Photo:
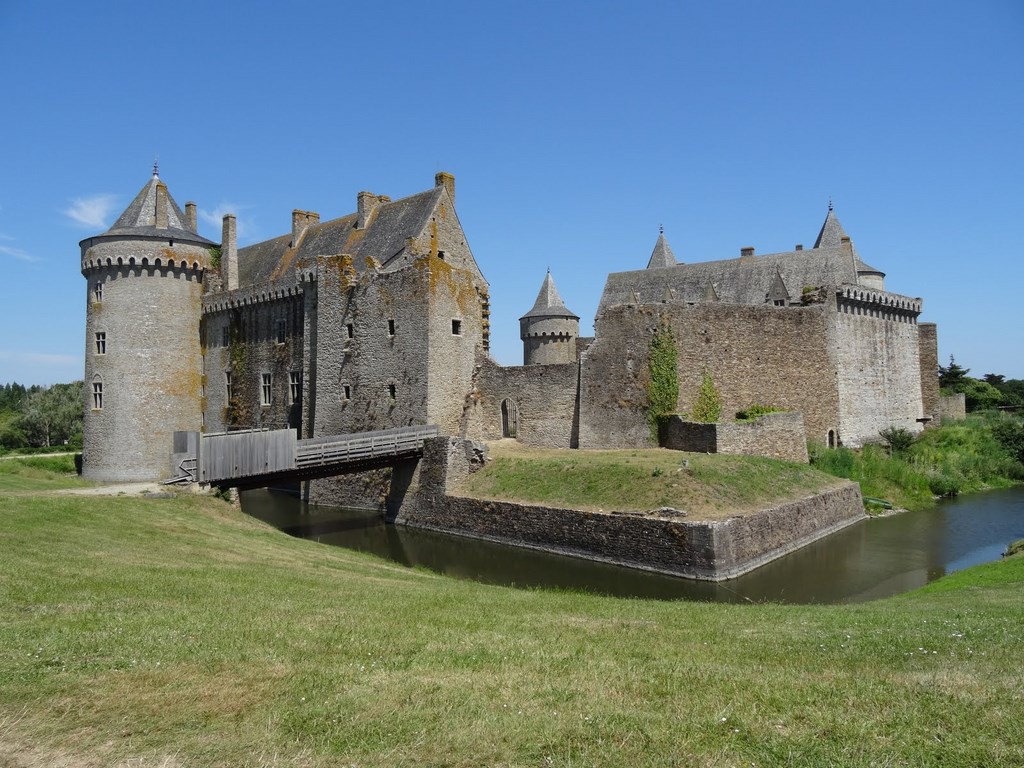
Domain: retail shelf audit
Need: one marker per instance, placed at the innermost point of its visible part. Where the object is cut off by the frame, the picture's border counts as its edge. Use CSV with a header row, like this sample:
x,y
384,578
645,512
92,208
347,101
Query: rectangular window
x,y
280,331
97,291
456,327
391,391
227,386
265,382
294,386
391,327
225,336
346,393
97,395
351,330
101,342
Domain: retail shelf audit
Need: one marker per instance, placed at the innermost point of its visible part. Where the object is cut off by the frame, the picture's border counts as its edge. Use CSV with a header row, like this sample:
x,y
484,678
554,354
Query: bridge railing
x,y
362,445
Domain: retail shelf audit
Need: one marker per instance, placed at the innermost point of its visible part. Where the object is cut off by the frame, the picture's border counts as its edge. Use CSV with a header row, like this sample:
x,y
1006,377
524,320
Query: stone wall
x,y
775,435
928,349
702,550
539,399
150,362
878,375
952,407
764,355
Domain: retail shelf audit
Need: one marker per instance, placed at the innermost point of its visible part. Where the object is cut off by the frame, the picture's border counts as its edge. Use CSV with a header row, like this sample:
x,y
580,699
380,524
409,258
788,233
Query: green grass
x,y
39,472
178,632
961,457
642,480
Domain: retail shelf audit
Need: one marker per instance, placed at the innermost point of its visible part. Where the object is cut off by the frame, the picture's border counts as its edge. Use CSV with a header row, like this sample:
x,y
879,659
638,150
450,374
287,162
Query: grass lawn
x,y
709,486
178,632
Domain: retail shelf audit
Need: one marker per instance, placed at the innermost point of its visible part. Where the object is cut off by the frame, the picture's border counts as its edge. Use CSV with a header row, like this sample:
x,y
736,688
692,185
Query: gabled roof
x,y
549,303
385,239
139,218
662,255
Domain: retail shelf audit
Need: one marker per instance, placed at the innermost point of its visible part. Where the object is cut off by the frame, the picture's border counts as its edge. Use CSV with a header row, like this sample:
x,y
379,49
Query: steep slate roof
x,y
832,232
549,303
139,218
385,239
662,255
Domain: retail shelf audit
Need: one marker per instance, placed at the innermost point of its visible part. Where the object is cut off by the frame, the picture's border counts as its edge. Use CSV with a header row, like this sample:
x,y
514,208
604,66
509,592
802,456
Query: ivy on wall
x,y
663,387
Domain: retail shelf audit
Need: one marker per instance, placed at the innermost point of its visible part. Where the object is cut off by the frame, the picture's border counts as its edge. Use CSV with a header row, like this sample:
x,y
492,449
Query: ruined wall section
x,y
775,435
148,358
928,346
763,355
254,359
878,365
540,399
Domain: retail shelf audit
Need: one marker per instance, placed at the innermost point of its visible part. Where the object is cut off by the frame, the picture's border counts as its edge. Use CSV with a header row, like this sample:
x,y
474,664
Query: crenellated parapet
x,y
257,294
881,305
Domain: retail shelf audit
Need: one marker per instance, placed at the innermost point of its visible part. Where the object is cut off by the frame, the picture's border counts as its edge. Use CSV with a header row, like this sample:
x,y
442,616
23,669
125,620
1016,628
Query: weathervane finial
x,y
156,170
661,229
830,202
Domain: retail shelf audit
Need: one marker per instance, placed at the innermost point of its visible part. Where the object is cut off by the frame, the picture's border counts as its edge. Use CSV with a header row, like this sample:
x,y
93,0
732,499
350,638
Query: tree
x,y
663,387
53,416
709,403
952,376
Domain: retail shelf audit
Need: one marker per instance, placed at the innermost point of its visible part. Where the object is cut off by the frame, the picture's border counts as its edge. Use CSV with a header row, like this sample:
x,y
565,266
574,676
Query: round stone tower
x,y
143,357
549,330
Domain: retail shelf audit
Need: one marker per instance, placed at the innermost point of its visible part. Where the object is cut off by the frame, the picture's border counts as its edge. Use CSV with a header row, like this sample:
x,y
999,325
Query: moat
x,y
876,558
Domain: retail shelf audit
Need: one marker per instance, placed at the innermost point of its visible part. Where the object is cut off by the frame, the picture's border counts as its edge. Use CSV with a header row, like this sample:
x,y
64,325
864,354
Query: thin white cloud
x,y
17,253
92,212
215,218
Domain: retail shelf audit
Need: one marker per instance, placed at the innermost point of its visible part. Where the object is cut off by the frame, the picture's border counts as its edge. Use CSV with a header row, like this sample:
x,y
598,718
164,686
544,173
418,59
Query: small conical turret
x,y
662,255
550,329
832,232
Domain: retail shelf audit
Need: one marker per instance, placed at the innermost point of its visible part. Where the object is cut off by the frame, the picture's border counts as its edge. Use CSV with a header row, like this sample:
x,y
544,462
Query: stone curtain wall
x,y
703,550
928,347
878,368
952,407
152,367
544,395
775,435
763,355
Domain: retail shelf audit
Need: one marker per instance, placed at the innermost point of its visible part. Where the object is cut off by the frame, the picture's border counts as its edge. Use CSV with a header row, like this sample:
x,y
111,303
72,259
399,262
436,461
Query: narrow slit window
x,y
456,327
346,393
101,342
265,389
280,331
97,291
97,395
351,330
294,386
227,385
391,327
225,336
391,390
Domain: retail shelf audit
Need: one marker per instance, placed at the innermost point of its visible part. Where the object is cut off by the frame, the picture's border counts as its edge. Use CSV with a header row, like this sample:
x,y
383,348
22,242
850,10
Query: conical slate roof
x,y
139,218
832,232
549,303
662,255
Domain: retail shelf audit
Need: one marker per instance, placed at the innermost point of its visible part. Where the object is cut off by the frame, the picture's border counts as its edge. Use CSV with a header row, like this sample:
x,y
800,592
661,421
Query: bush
x,y
755,411
899,439
1009,433
708,407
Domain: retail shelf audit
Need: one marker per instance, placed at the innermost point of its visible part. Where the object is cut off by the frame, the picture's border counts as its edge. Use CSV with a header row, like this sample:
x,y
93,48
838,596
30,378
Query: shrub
x,y
899,439
1009,433
663,387
708,407
755,411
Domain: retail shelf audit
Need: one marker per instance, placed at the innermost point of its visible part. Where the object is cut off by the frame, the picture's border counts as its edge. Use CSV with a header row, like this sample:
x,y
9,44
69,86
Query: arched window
x,y
831,438
509,418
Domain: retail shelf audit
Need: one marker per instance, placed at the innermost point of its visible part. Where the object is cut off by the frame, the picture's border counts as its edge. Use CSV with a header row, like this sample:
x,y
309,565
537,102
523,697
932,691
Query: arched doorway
x,y
509,418
831,438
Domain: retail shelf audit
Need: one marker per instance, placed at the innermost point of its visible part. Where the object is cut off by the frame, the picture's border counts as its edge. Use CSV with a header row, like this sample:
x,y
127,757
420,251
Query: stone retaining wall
x,y
668,543
775,435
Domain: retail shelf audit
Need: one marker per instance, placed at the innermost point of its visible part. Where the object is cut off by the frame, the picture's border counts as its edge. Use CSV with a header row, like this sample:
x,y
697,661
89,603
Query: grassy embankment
x,y
707,486
178,632
961,457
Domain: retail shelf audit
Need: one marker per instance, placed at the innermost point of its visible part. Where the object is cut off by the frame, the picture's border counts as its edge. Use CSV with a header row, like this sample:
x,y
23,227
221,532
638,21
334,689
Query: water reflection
x,y
869,560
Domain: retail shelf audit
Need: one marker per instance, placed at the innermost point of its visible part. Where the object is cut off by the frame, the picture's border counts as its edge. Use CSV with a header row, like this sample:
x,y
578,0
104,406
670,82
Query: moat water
x,y
872,559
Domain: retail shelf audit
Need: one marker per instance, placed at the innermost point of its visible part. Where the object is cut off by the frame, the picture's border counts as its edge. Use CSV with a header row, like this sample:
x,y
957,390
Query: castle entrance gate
x,y
509,418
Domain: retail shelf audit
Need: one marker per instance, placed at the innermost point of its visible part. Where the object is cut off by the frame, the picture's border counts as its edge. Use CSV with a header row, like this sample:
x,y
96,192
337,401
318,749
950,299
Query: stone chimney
x,y
301,221
161,205
366,204
447,181
846,243
799,247
747,252
229,253
190,217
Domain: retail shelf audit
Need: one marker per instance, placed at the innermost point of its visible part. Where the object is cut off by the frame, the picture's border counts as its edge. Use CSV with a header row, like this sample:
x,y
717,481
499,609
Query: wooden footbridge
x,y
254,458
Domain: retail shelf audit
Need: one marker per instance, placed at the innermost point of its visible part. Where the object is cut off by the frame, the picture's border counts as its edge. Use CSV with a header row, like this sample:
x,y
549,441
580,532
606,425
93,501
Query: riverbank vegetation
x,y
707,486
179,632
983,451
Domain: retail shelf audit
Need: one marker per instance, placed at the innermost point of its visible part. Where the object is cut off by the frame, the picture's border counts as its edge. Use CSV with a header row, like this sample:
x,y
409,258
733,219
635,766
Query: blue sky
x,y
573,129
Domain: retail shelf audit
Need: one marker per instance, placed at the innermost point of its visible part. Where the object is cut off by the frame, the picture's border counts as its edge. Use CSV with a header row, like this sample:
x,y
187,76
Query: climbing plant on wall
x,y
663,388
708,407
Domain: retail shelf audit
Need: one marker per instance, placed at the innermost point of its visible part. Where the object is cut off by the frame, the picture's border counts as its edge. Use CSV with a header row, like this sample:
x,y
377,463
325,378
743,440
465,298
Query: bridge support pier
x,y
404,480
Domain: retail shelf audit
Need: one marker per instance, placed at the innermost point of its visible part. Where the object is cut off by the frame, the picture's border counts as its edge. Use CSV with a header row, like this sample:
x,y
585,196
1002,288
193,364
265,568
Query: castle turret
x,y
143,360
832,235
549,330
662,256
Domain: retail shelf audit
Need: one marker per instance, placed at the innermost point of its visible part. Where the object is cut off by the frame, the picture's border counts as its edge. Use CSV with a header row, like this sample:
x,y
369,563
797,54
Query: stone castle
x,y
380,319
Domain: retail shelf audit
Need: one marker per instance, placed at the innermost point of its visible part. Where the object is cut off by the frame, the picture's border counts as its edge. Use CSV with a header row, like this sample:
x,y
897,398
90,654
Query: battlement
x,y
856,300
